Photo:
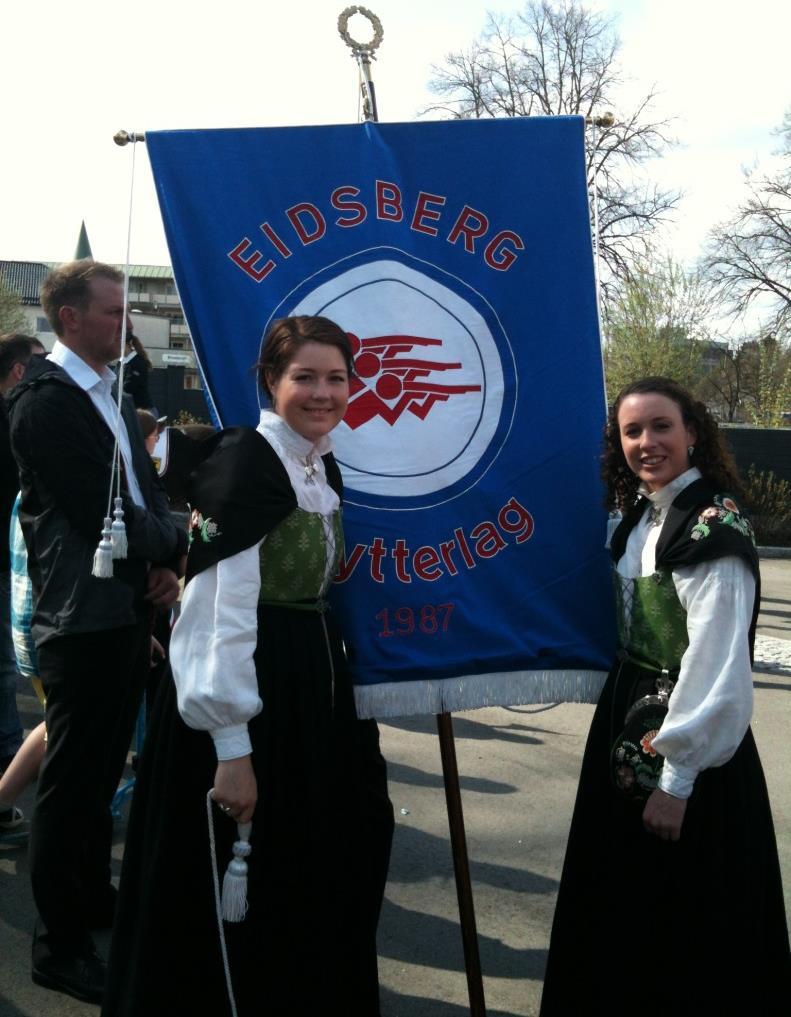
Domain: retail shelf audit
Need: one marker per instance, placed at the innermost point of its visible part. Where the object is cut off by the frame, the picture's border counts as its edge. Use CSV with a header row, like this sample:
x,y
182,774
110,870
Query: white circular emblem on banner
x,y
426,402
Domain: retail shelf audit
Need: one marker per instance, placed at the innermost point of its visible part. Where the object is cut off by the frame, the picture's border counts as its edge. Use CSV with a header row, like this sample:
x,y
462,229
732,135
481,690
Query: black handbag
x,y
635,765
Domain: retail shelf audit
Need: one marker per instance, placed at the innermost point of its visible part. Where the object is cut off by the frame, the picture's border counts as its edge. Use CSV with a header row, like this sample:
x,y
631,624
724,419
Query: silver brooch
x,y
655,515
310,469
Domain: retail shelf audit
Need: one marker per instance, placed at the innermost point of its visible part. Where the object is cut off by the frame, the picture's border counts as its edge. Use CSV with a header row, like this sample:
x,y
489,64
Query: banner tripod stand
x,y
364,53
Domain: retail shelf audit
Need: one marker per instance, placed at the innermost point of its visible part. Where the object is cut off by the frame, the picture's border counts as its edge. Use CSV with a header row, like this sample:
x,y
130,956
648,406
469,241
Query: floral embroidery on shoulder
x,y
726,512
204,529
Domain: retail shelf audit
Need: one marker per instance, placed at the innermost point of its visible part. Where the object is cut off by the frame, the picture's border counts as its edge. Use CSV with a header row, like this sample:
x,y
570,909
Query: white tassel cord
x,y
118,530
231,904
118,544
218,903
103,556
234,885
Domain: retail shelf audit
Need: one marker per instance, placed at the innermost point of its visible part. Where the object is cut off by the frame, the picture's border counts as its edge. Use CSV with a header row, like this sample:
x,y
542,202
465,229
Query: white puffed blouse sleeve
x,y
711,704
212,648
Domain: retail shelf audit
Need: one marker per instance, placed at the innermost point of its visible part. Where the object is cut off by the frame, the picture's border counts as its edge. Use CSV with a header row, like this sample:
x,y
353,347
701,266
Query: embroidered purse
x,y
635,766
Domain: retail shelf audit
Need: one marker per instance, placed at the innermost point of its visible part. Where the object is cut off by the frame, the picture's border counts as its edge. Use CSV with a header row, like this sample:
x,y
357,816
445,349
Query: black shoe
x,y
82,977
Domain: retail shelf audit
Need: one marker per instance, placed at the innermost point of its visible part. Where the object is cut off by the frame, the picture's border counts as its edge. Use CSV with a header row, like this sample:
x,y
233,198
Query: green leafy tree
x,y
560,58
769,393
12,317
657,323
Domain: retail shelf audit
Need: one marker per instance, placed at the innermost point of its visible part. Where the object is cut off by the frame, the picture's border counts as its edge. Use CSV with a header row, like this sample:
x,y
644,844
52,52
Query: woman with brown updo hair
x,y
671,901
261,711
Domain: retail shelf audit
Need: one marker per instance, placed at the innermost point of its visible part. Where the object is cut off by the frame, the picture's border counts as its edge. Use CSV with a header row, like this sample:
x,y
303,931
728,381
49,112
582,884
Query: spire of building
x,y
83,244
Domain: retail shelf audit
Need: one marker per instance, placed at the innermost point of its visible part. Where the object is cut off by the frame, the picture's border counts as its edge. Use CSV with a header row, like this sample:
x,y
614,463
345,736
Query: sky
x,y
73,74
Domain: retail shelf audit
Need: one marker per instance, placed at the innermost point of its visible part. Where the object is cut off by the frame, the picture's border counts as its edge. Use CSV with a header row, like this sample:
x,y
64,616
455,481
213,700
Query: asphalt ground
x,y
519,769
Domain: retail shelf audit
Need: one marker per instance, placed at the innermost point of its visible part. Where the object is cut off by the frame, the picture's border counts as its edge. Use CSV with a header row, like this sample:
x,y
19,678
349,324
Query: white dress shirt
x,y
99,388
711,704
214,639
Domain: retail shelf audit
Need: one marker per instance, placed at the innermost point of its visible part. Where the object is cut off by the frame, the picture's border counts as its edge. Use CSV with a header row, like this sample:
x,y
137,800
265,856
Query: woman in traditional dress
x,y
262,710
671,899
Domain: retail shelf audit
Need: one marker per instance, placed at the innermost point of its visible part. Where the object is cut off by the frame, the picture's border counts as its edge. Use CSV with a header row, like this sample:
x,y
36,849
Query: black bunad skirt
x,y
321,840
646,927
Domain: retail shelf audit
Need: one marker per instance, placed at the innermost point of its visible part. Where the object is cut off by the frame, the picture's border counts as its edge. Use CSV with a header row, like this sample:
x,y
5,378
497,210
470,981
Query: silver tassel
x,y
103,558
118,531
234,884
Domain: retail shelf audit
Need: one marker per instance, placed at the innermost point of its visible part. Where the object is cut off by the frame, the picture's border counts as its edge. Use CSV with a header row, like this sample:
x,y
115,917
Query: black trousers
x,y
94,684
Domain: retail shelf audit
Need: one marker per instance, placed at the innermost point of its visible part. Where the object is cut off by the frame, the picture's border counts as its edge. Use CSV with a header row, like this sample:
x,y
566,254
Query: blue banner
x,y
457,256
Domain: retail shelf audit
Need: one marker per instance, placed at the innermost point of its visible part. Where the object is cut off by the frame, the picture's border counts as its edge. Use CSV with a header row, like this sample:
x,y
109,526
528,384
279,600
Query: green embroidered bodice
x,y
652,623
294,557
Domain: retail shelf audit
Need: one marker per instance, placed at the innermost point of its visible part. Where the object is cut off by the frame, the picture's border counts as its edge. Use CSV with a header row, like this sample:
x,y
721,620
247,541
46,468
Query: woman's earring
x,y
690,450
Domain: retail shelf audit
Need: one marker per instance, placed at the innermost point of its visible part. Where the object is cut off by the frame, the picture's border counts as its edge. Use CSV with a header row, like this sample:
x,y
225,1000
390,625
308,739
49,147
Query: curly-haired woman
x,y
671,899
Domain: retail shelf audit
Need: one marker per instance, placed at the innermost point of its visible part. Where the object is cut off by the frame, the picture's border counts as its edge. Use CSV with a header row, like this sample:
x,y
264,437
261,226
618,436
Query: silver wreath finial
x,y
343,30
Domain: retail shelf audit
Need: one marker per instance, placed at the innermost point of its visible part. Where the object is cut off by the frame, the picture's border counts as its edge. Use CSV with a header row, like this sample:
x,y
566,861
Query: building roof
x,y
25,277
148,271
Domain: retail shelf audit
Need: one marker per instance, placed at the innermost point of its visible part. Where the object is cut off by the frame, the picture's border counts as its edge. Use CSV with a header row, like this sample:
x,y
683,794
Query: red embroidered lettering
x,y
247,264
358,210
314,217
388,201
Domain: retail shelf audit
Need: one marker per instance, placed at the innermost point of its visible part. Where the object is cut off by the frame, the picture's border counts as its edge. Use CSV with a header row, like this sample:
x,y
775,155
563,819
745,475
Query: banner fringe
x,y
471,692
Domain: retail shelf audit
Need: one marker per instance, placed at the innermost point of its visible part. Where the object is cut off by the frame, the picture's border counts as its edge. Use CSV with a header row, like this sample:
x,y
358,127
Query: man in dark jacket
x,y
92,634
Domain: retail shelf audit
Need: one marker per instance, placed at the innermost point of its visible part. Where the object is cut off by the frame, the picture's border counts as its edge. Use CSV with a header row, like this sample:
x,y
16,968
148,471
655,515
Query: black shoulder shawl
x,y
238,494
702,524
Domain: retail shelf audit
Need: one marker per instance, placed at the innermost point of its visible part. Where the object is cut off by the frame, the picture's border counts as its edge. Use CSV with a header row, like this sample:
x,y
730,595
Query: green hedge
x,y
769,504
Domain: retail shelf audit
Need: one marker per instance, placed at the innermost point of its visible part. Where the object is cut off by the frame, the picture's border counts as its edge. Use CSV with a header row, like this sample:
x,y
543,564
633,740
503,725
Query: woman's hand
x,y
663,815
235,788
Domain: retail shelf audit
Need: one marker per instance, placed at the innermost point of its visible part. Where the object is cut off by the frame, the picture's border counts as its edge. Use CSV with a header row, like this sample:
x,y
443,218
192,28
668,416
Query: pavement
x,y
519,769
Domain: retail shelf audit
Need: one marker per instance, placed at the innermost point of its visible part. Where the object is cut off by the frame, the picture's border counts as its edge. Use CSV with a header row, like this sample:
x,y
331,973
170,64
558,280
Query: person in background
x,y
176,451
15,353
149,428
24,767
87,630
671,900
137,369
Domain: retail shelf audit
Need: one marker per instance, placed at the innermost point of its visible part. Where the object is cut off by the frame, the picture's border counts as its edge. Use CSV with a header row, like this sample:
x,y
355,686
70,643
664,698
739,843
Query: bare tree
x,y
727,381
556,58
749,257
750,381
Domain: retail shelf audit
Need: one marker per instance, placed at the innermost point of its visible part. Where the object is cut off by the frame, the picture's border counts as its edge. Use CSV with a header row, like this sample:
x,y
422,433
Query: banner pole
x,y
461,865
364,53
606,121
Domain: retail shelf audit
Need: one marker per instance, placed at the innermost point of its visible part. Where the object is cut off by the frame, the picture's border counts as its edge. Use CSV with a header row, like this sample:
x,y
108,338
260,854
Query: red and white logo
x,y
427,398
403,376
